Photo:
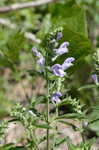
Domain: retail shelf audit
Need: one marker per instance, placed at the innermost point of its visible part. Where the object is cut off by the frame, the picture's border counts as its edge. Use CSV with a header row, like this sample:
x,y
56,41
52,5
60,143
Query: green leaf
x,y
59,141
93,117
14,45
5,105
88,87
72,18
4,62
44,126
69,116
72,15
68,123
11,43
79,47
45,26
11,146
95,126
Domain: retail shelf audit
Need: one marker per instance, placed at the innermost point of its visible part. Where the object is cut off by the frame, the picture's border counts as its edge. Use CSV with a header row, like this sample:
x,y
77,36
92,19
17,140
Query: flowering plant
x,y
54,75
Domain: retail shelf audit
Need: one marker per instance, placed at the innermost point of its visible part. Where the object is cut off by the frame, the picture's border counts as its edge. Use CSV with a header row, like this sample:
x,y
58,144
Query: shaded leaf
x,y
73,115
70,14
88,87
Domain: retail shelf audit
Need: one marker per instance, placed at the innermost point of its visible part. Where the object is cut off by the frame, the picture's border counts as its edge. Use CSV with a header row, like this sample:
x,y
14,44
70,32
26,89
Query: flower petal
x,y
69,60
36,53
59,35
61,51
55,99
67,63
59,94
57,70
64,45
95,78
41,61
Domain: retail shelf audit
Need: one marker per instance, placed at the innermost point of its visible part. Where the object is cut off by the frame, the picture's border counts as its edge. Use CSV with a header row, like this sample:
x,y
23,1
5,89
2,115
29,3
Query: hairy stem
x,y
47,110
48,124
47,105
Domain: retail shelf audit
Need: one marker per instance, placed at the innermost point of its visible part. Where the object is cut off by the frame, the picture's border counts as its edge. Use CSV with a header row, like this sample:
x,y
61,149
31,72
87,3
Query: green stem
x,y
59,84
83,137
56,110
58,89
47,106
48,123
33,138
55,129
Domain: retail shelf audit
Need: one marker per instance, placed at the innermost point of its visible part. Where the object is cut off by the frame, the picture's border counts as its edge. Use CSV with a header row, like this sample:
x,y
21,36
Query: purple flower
x,y
36,53
68,63
64,44
55,97
95,78
59,35
62,49
41,61
58,69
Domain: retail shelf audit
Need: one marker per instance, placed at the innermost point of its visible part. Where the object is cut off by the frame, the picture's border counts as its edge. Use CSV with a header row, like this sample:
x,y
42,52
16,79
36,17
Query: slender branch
x,y
48,124
47,107
47,111
27,35
19,6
